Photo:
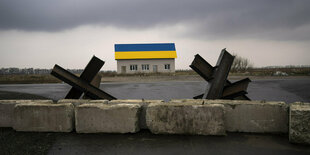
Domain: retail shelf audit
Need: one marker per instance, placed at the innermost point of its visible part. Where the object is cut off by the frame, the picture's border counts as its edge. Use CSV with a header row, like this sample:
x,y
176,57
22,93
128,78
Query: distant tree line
x,y
240,64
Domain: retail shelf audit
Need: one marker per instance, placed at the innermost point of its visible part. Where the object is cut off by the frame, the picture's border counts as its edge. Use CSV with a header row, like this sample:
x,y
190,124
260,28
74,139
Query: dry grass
x,y
26,79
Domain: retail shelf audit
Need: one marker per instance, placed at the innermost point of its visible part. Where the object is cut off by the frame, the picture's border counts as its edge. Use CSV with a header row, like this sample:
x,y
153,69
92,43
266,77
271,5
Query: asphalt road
x,y
287,90
145,143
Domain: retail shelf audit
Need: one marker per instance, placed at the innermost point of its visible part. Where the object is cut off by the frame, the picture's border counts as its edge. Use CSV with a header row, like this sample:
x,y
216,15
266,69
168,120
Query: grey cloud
x,y
271,19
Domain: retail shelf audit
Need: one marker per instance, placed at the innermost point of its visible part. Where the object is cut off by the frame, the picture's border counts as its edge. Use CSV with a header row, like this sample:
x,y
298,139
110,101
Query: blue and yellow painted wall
x,y
145,51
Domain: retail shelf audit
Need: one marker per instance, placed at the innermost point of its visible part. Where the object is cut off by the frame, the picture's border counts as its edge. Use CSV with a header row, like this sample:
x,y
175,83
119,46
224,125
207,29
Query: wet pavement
x,y
287,90
146,143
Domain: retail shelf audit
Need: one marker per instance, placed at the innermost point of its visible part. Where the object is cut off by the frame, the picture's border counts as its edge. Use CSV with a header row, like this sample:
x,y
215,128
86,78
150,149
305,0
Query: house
x,y
145,58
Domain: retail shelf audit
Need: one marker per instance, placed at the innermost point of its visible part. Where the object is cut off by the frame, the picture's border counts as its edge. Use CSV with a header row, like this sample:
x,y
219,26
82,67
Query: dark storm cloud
x,y
273,19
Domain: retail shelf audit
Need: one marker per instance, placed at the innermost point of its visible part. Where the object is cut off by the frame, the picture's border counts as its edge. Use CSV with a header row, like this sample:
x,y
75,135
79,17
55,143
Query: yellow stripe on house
x,y
145,55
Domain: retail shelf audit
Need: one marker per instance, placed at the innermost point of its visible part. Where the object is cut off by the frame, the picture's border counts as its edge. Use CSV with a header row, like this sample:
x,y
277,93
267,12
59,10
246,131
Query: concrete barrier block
x,y
256,117
44,117
104,118
180,118
99,101
250,116
300,103
299,128
144,104
134,101
188,101
75,102
7,110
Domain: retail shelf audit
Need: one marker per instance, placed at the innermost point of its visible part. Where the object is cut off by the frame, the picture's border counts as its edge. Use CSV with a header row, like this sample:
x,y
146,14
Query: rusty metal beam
x,y
220,75
230,90
236,87
95,82
90,71
80,84
235,95
198,96
202,67
242,97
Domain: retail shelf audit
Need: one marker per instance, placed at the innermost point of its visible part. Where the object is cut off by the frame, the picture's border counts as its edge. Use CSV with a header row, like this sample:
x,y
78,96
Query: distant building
x,y
145,58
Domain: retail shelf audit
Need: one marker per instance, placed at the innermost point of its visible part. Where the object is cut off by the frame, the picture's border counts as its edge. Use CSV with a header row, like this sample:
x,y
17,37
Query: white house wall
x,y
159,62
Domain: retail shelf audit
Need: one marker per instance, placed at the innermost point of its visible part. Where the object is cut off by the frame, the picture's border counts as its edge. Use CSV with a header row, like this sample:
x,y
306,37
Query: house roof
x,y
145,51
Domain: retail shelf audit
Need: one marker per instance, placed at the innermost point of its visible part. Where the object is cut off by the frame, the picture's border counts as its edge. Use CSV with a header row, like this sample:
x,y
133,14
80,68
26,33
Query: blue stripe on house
x,y
145,47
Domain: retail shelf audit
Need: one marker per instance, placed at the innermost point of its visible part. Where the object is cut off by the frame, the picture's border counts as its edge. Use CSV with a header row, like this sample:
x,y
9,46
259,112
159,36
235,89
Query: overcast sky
x,y
39,34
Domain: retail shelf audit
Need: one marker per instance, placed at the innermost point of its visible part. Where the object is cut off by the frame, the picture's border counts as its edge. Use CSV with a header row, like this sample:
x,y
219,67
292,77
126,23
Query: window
x,y
145,67
133,67
167,66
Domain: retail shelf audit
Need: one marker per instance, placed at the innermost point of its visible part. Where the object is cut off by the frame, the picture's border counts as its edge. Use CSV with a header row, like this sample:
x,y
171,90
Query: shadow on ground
x,y
8,95
144,142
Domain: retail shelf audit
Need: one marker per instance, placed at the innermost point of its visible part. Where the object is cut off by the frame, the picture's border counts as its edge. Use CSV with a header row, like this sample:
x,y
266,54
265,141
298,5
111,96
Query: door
x,y
123,69
154,68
